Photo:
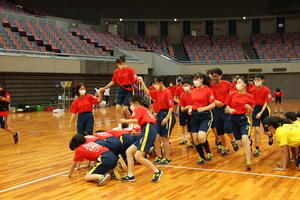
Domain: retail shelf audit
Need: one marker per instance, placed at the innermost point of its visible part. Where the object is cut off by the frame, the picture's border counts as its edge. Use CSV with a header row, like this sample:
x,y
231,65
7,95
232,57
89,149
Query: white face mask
x,y
82,92
197,83
156,87
186,88
238,86
257,83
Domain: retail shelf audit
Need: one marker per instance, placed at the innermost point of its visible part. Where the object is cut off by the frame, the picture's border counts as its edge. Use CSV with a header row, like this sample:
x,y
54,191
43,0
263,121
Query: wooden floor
x,y
36,168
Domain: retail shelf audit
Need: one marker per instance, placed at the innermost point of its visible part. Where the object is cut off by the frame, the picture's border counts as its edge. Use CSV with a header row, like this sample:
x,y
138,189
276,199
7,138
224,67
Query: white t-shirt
x,y
106,92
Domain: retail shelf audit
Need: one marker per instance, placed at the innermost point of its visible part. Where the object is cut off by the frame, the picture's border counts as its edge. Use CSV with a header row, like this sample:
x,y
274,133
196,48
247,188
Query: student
x,y
239,104
287,135
106,96
262,97
165,119
203,101
222,120
125,77
146,120
4,112
83,105
185,104
278,95
106,160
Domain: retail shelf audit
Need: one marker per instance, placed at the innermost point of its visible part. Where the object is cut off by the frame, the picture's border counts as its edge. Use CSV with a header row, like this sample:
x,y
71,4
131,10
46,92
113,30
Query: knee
x,y
138,157
125,108
201,137
118,108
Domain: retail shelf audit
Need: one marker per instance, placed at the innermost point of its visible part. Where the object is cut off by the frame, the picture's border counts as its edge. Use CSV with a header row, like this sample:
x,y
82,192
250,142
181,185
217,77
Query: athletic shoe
x,y
157,160
209,157
270,142
16,137
165,161
201,162
224,152
219,148
190,146
235,145
248,166
183,142
128,178
103,180
256,153
156,176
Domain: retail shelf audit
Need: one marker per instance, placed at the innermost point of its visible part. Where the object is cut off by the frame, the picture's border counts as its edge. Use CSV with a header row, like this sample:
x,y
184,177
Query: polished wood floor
x,y
36,168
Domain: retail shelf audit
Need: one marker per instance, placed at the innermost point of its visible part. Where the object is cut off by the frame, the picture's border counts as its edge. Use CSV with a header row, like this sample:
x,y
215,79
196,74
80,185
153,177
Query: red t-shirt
x,y
163,99
221,90
278,94
103,135
186,99
202,97
261,95
179,91
143,115
117,134
89,151
126,76
237,101
173,89
90,138
83,104
5,113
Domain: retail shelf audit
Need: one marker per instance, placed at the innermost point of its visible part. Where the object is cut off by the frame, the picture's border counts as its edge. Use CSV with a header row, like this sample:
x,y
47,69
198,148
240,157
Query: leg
x,y
119,114
130,159
166,147
246,144
157,146
140,157
183,130
126,112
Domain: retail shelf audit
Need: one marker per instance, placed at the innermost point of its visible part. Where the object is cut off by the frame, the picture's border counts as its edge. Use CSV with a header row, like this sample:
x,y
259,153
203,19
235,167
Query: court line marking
x,y
230,171
34,181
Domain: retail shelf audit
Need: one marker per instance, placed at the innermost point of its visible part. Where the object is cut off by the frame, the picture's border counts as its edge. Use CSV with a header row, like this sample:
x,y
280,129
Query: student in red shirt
x,y
262,97
185,104
4,112
91,151
146,120
83,105
203,101
165,119
125,77
222,120
278,94
239,104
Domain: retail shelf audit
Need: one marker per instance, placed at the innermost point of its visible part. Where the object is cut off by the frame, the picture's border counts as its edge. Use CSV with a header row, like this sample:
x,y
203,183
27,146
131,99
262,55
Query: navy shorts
x,y
85,123
3,121
124,95
201,121
240,125
112,143
165,130
185,120
278,100
126,140
147,138
257,109
107,161
222,121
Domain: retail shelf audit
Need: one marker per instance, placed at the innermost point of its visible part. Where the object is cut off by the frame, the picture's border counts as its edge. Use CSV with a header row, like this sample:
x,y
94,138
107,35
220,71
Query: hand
x,y
123,121
190,111
248,107
219,104
139,79
164,122
258,115
232,111
102,89
200,109
2,98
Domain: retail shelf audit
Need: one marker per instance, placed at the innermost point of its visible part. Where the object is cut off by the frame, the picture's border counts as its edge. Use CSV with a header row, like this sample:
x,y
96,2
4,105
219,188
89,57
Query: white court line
x,y
230,171
34,181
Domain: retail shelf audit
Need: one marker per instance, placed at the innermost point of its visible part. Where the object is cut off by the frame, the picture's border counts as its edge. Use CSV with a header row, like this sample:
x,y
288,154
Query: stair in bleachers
x,y
248,49
180,53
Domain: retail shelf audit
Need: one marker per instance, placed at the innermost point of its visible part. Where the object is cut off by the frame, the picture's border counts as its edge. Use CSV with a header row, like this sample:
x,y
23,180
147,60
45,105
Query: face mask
x,y
82,92
197,83
258,83
186,88
156,87
121,66
238,86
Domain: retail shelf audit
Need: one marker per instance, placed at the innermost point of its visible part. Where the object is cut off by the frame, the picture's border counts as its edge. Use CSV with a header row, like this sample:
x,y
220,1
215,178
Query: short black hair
x,y
160,79
99,131
278,89
121,59
216,71
291,116
76,141
206,78
125,125
78,88
141,100
260,75
186,81
298,114
272,121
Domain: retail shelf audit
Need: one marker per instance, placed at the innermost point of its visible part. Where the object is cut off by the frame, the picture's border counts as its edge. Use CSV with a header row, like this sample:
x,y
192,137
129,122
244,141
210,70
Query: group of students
x,y
206,102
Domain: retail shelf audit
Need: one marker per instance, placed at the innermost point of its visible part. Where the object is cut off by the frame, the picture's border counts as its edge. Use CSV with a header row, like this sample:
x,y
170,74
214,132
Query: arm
x,y
168,116
176,99
144,87
72,119
207,108
262,110
5,99
107,86
229,110
129,121
74,164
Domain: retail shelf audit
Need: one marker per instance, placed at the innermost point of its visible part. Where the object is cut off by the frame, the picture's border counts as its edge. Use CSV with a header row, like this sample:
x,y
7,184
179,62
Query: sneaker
x,y
219,148
16,137
248,166
235,146
209,157
128,178
270,142
201,162
165,161
156,176
157,160
103,180
224,152
183,142
256,153
190,146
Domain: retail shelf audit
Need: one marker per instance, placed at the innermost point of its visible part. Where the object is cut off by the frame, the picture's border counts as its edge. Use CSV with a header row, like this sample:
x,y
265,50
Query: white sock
x,y
130,174
156,171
